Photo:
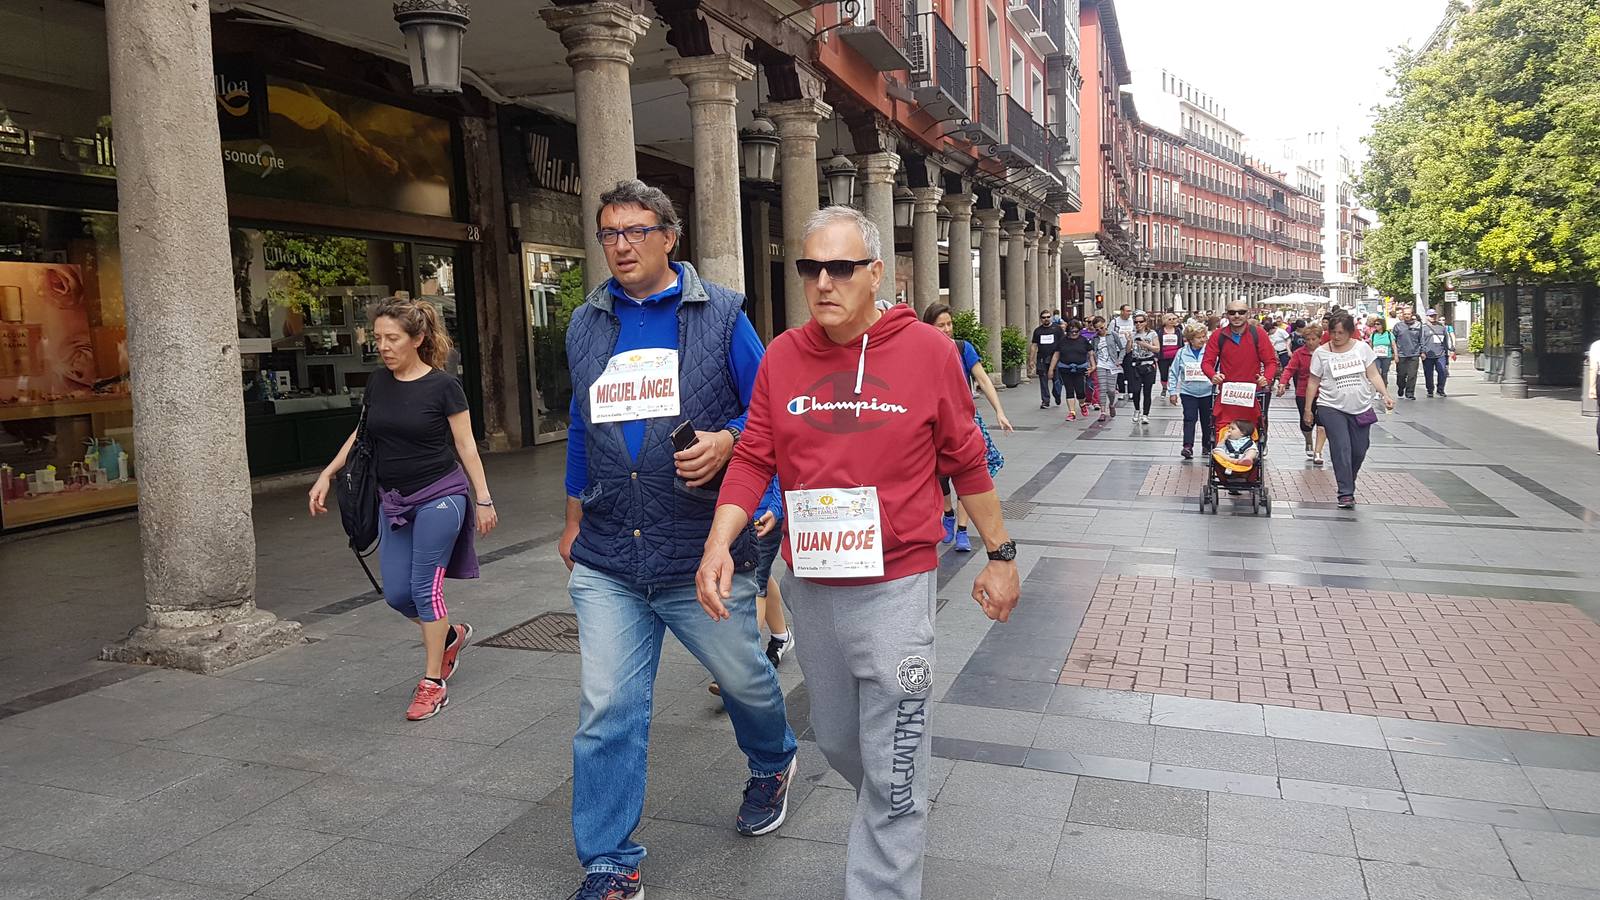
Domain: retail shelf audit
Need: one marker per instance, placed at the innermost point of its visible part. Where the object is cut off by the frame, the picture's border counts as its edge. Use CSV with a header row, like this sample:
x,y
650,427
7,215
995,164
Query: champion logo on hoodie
x,y
832,405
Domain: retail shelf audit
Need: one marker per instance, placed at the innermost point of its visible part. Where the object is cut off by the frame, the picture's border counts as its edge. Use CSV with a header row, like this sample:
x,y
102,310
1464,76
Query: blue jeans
x,y
620,627
413,557
767,550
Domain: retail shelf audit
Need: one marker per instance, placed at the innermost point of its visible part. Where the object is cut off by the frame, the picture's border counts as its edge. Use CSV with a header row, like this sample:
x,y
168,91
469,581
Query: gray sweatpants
x,y
868,661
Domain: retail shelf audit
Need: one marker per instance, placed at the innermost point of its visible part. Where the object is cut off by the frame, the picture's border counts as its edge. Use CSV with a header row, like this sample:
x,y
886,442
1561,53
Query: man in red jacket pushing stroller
x,y
859,413
1240,353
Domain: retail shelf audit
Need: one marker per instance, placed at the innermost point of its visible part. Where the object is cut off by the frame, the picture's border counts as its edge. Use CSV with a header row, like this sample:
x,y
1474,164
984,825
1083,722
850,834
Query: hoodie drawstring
x,y
861,369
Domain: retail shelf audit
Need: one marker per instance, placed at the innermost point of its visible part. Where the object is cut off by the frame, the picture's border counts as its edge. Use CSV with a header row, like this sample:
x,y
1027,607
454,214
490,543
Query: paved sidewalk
x,y
1184,706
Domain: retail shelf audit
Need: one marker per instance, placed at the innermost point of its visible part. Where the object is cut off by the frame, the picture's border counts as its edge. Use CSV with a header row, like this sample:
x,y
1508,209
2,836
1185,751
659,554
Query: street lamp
x,y
841,175
758,149
945,219
905,203
433,30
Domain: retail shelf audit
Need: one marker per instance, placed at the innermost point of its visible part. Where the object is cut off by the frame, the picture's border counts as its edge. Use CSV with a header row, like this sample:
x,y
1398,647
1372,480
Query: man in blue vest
x,y
652,350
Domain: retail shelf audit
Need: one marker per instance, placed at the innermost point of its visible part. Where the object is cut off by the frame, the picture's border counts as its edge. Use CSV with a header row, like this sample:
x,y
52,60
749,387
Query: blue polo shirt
x,y
652,322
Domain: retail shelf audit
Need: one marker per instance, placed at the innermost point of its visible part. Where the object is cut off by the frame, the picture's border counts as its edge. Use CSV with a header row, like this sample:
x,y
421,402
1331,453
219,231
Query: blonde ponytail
x,y
419,318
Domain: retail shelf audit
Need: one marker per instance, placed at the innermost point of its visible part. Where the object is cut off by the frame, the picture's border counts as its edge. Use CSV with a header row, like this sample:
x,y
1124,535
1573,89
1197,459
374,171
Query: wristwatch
x,y
1006,552
736,432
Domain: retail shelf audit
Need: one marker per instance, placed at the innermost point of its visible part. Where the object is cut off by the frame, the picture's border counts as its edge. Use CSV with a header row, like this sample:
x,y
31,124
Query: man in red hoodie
x,y
859,413
1240,352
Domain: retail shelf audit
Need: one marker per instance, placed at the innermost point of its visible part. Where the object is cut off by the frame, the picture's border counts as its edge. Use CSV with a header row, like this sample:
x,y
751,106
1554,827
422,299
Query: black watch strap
x,y
1006,552
735,431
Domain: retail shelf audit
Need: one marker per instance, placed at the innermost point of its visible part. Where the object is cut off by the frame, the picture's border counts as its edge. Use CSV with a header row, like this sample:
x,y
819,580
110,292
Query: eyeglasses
x,y
837,269
635,234
1237,312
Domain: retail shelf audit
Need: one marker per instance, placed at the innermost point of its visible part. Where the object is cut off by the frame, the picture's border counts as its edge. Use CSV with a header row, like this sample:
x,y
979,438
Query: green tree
x,y
1489,148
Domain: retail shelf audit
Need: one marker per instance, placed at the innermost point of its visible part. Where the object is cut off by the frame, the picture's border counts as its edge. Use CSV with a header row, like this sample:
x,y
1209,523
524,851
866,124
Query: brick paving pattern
x,y
1300,486
1508,663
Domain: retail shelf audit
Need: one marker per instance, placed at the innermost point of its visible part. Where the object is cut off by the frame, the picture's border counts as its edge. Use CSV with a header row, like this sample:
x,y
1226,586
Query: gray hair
x,y
634,192
830,215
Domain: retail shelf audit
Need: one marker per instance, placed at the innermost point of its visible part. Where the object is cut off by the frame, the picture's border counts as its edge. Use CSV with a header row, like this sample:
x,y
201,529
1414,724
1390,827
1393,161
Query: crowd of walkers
x,y
850,446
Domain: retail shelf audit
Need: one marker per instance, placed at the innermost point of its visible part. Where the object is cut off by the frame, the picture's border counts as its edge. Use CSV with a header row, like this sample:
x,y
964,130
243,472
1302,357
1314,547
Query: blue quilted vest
x,y
640,521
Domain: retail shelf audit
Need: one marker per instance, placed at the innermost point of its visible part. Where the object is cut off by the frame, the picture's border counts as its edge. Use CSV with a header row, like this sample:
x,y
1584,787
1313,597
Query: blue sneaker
x,y
963,543
949,529
610,886
766,802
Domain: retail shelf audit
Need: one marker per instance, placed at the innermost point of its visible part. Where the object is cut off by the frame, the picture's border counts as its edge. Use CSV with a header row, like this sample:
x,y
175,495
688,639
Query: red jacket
x,y
1247,359
909,422
1298,368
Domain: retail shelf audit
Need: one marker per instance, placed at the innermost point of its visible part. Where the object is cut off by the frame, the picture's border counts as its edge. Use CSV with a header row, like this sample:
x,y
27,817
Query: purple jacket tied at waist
x,y
398,510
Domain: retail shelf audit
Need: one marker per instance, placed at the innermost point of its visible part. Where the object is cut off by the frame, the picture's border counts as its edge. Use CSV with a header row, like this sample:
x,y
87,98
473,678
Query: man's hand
x,y
1261,381
701,462
1278,390
713,583
568,536
996,589
1218,378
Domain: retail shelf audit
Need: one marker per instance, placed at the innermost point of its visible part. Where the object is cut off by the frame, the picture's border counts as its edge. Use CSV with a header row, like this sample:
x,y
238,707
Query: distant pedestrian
x,y
1073,365
430,480
1123,325
1171,341
1142,370
1296,373
1407,353
1042,350
1340,390
1281,339
1382,344
939,316
1109,349
1438,349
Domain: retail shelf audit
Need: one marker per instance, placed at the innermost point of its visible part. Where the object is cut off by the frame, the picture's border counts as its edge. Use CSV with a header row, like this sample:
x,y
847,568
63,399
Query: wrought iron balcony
x,y
985,109
1024,142
939,69
878,34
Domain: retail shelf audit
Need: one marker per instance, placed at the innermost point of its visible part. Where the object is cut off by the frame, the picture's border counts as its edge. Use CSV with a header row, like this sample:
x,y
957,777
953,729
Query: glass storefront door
x,y
554,277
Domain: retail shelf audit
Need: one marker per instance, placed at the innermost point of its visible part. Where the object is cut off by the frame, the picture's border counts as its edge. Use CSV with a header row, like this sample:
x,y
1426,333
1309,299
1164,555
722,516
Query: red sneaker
x,y
453,652
427,701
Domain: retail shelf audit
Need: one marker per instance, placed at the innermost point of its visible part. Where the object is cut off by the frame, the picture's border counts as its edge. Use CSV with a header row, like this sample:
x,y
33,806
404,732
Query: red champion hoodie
x,y
892,411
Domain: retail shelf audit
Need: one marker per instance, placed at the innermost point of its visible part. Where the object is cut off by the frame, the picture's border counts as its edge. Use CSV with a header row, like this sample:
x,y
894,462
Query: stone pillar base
x,y
207,648
1514,390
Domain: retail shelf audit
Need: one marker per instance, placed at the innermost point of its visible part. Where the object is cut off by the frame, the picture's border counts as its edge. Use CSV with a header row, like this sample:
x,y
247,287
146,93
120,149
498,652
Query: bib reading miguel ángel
x,y
835,533
637,384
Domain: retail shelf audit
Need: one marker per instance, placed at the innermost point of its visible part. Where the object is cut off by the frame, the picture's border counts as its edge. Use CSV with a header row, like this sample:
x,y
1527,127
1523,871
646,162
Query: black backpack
x,y
357,490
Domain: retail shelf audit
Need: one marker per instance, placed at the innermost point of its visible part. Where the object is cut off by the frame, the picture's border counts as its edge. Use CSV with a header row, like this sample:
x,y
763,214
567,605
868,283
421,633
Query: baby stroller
x,y
1236,476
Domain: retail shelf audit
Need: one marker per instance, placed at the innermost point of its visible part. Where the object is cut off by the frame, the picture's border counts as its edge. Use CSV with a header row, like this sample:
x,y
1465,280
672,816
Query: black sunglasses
x,y
837,269
1237,312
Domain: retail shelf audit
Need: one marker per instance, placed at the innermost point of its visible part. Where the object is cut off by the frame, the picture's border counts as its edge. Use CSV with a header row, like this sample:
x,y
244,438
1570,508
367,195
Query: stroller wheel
x,y
1255,503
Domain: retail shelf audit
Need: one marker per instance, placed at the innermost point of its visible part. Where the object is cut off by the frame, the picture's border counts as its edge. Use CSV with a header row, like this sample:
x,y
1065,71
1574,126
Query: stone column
x,y
1016,275
876,171
960,207
599,38
1030,280
1052,285
713,104
198,548
925,248
991,311
796,121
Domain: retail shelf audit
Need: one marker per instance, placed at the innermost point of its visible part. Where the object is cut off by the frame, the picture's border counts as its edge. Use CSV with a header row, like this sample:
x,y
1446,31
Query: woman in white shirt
x,y
1340,391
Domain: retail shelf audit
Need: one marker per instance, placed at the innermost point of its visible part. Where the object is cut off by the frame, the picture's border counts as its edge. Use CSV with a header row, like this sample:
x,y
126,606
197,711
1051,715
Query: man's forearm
x,y
984,511
726,525
574,512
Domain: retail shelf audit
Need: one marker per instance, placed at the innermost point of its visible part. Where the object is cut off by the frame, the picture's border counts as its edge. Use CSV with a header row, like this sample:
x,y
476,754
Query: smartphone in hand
x,y
683,437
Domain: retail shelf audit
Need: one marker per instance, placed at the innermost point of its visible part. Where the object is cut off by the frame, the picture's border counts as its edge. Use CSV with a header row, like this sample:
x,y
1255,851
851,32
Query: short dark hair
x,y
1341,319
634,192
932,313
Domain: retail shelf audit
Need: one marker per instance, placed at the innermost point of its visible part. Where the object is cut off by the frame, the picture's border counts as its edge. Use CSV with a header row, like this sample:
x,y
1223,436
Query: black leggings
x,y
1166,367
1141,383
1074,384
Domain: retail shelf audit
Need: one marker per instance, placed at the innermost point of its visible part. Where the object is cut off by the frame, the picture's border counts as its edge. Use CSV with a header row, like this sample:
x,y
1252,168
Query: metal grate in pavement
x,y
554,631
1017,509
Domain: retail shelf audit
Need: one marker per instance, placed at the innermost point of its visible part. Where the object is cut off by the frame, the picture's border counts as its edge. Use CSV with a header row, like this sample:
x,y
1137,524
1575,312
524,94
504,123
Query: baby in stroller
x,y
1236,448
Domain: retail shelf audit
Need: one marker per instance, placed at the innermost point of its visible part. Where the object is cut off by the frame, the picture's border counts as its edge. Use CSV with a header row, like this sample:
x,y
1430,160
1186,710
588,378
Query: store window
x,y
66,415
306,347
554,290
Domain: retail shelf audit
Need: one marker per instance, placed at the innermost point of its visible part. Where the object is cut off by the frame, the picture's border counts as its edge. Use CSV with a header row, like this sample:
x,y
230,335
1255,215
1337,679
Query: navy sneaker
x,y
949,528
610,886
963,543
766,802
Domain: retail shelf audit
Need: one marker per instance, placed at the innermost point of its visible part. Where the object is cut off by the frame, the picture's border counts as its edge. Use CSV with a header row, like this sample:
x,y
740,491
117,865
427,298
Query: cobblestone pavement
x,y
295,776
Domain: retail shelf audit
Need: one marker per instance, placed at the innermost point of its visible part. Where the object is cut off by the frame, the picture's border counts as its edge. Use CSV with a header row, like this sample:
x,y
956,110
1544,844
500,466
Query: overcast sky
x,y
1281,67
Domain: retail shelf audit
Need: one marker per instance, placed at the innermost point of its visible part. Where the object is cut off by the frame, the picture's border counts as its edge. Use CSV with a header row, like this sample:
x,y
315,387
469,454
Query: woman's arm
x,y
467,452
981,379
1313,385
320,488
1378,384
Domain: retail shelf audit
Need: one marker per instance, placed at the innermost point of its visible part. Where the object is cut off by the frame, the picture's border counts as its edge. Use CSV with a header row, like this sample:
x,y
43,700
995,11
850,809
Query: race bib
x,y
1238,393
835,533
1169,340
1344,365
1438,339
1197,374
1047,339
1381,349
637,384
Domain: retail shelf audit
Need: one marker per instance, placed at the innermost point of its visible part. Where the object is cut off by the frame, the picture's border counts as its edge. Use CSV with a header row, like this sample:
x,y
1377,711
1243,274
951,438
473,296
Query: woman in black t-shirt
x,y
428,469
1073,367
